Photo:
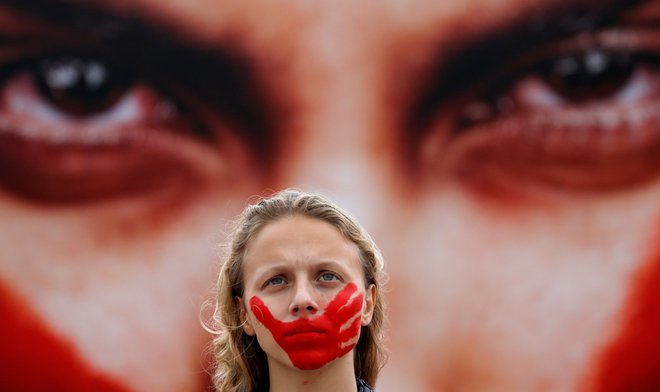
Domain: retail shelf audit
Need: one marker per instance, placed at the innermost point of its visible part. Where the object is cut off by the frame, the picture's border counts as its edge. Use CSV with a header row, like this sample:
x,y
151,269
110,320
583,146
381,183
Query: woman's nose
x,y
303,303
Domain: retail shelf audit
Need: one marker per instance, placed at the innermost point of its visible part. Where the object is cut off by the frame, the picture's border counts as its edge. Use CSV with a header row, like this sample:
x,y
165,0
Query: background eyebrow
x,y
221,75
467,62
90,15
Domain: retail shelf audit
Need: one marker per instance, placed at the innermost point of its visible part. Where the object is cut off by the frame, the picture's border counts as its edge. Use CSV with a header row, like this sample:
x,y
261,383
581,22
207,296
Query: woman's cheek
x,y
135,271
505,288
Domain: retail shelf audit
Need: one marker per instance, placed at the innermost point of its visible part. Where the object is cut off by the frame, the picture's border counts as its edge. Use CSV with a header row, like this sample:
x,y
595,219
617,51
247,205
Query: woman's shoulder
x,y
363,386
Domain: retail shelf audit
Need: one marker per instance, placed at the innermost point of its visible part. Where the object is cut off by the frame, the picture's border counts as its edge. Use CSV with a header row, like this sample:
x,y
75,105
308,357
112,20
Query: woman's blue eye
x,y
328,277
276,281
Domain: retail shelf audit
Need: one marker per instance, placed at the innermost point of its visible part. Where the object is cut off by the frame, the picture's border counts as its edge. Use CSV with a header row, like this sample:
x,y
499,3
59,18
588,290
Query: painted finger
x,y
340,299
261,311
350,331
350,309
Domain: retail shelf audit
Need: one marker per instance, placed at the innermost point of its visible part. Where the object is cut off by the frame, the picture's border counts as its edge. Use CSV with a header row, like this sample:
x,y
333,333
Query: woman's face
x,y
503,154
305,297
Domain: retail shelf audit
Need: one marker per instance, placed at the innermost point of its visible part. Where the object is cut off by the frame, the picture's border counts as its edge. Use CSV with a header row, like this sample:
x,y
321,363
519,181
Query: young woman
x,y
299,304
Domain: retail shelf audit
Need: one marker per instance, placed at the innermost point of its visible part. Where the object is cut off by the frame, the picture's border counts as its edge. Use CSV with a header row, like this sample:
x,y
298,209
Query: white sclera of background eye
x,y
533,92
138,105
642,83
21,96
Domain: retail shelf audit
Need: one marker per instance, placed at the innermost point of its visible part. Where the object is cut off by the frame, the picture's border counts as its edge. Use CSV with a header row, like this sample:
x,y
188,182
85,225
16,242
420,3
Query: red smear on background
x,y
32,358
312,343
632,361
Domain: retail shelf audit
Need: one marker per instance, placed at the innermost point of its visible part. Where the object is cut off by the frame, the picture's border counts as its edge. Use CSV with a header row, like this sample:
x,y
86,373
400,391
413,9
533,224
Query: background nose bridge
x,y
339,148
339,137
338,105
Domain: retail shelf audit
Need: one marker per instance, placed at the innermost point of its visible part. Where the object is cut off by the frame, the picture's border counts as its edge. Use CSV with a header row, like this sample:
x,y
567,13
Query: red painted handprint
x,y
312,343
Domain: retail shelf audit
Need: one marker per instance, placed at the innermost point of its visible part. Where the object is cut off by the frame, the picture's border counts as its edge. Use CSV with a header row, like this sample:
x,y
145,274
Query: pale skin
x,y
297,265
524,273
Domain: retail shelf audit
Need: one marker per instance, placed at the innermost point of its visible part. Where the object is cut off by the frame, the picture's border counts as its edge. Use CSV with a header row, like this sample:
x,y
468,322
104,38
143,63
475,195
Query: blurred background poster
x,y
505,155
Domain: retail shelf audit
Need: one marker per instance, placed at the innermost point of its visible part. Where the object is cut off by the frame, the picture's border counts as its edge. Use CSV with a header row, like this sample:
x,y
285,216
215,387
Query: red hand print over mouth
x,y
312,343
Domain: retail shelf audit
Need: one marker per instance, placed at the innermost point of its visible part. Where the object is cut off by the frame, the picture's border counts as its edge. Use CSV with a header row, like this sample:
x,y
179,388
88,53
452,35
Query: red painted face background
x,y
32,358
313,343
632,361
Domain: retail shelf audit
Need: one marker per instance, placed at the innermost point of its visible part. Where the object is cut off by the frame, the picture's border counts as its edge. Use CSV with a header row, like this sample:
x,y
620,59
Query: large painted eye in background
x,y
75,129
78,86
588,76
580,117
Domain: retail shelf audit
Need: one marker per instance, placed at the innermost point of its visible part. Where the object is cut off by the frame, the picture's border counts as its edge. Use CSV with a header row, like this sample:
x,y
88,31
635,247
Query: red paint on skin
x,y
632,361
32,358
312,343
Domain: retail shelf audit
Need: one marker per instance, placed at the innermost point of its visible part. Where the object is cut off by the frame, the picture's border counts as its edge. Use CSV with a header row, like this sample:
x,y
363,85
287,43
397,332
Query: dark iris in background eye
x,y
590,75
78,86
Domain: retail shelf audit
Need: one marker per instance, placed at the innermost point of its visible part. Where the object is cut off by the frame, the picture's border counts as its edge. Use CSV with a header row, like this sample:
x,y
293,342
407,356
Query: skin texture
x,y
517,235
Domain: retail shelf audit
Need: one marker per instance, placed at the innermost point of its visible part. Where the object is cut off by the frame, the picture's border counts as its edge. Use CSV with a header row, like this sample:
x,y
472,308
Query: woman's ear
x,y
369,304
245,321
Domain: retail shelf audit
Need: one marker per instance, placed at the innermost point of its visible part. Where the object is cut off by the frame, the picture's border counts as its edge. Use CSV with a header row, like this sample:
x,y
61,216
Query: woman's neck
x,y
338,375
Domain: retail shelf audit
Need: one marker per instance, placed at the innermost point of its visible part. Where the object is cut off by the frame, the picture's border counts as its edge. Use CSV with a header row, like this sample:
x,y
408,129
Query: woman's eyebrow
x,y
272,270
329,264
467,61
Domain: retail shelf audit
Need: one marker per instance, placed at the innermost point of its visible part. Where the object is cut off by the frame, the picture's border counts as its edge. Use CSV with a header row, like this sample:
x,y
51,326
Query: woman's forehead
x,y
299,242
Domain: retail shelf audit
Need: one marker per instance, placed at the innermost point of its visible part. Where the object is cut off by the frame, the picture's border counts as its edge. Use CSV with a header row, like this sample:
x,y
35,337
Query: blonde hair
x,y
240,363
